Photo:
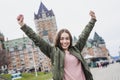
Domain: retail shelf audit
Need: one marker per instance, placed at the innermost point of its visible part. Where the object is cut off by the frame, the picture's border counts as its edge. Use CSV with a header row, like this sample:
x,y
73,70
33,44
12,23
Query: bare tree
x,y
4,58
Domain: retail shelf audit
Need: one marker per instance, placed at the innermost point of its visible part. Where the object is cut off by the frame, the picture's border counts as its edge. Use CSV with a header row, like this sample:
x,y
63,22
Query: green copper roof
x,y
17,42
88,44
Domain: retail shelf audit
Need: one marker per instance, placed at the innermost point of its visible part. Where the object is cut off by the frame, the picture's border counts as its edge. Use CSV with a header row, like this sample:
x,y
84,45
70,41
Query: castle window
x,y
45,32
11,49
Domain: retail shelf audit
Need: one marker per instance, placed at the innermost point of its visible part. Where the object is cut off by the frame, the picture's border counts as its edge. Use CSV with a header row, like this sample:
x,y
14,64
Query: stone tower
x,y
45,23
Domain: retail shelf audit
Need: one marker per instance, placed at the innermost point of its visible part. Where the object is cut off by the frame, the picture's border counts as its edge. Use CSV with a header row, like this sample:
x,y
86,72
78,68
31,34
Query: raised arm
x,y
42,44
86,32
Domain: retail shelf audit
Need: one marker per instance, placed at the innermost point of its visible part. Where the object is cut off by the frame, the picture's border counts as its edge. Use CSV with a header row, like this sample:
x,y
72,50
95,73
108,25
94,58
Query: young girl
x,y
67,61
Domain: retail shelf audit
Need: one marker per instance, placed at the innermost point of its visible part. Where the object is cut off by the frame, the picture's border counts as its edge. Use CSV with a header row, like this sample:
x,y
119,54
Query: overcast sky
x,y
71,14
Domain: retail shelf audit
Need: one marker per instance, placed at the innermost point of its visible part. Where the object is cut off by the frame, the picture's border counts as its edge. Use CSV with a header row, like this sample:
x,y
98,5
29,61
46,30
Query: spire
x,y
43,10
96,36
98,39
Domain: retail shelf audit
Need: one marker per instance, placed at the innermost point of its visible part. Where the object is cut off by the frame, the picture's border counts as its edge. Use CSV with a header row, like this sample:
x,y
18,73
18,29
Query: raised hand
x,y
20,19
92,14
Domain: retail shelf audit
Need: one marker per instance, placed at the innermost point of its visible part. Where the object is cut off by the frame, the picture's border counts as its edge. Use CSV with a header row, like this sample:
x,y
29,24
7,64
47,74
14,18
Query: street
x,y
111,72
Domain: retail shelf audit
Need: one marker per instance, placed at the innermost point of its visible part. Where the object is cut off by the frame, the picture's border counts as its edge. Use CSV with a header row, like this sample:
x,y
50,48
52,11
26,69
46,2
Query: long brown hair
x,y
57,41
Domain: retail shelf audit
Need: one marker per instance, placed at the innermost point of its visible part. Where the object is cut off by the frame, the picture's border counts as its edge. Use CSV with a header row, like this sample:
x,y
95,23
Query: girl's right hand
x,y
20,19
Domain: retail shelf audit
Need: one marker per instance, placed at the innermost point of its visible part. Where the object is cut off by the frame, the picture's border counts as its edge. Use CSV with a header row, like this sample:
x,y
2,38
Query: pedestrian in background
x,y
67,60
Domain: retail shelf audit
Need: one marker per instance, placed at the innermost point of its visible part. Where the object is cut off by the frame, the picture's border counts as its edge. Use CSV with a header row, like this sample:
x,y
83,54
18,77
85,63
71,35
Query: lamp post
x,y
34,60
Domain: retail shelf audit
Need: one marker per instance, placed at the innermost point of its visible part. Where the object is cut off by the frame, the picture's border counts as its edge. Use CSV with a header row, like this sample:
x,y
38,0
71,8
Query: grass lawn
x,y
31,76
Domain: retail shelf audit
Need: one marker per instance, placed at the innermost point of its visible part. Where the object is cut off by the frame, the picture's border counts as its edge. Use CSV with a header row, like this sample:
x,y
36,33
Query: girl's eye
x,y
66,38
62,38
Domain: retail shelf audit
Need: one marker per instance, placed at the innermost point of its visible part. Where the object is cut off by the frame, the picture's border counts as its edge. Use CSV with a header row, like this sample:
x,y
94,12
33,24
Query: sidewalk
x,y
112,72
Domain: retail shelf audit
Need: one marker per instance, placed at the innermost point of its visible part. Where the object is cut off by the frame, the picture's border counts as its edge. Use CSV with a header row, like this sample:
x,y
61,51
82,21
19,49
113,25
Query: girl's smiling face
x,y
65,40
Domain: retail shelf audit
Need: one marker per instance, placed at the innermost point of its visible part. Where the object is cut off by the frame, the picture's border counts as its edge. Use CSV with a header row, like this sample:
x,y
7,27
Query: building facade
x,y
22,53
96,47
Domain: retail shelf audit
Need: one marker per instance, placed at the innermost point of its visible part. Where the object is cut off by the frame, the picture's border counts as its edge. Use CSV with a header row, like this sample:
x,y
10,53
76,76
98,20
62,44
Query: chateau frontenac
x,y
22,54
